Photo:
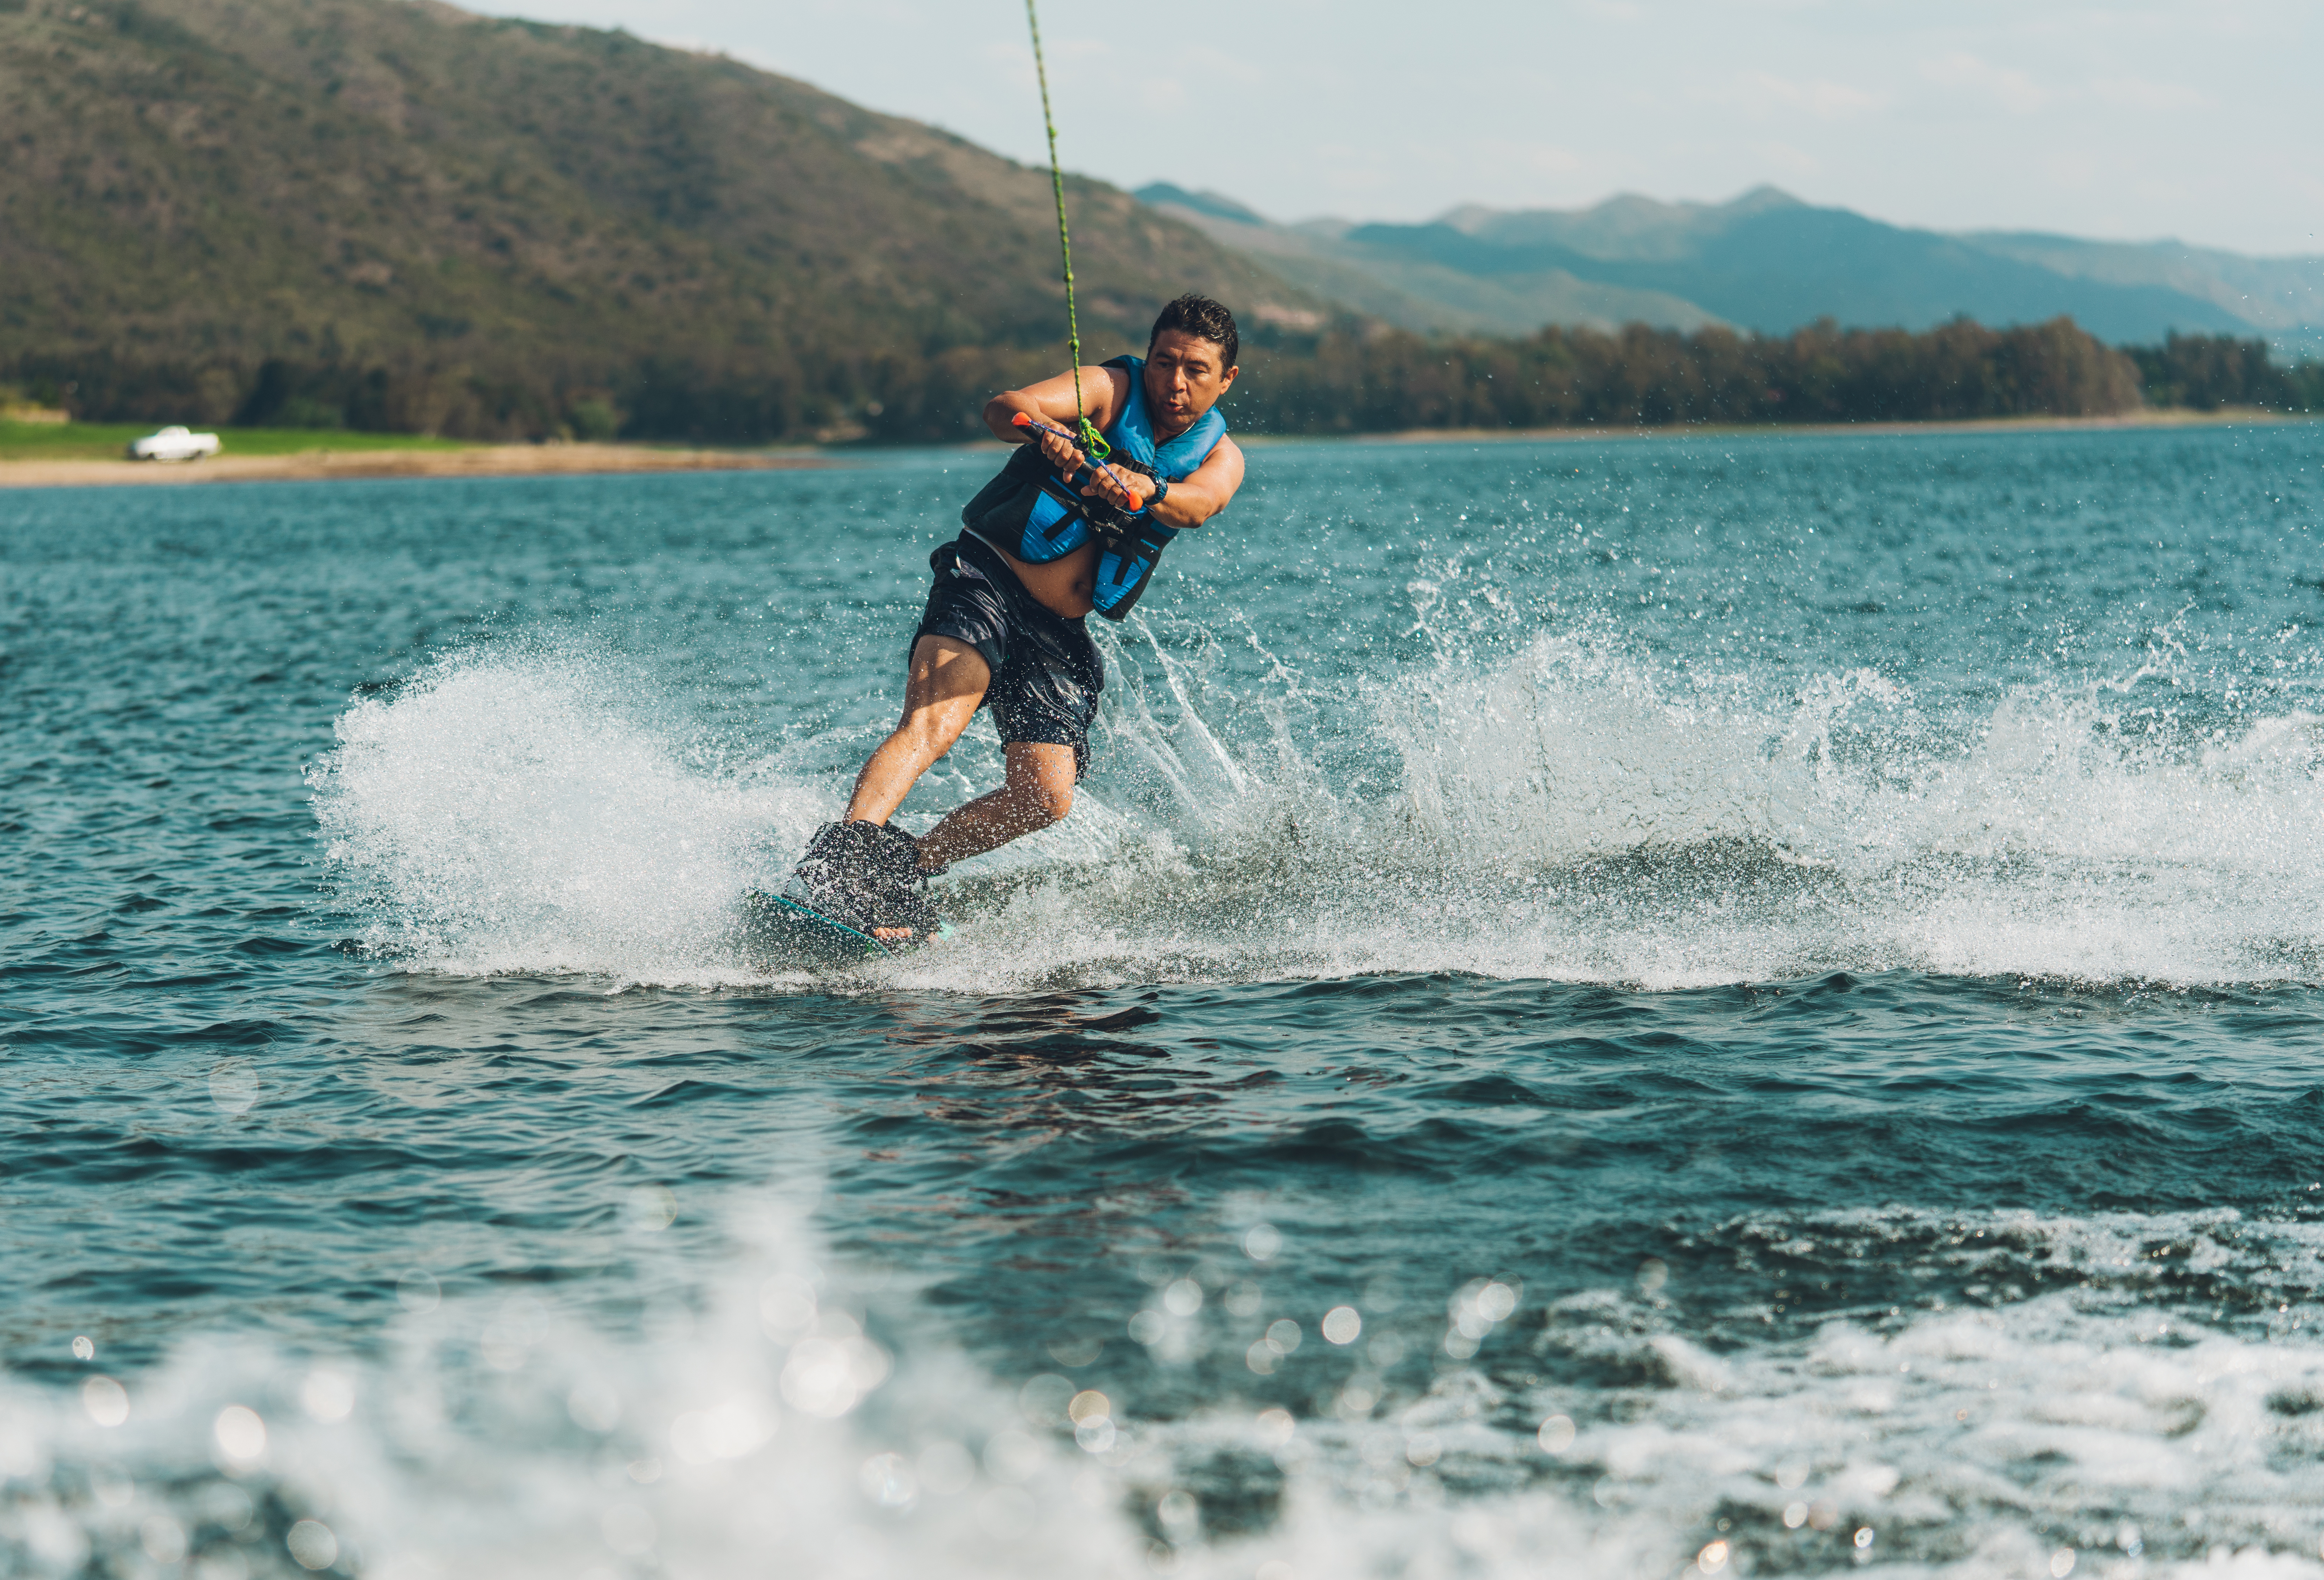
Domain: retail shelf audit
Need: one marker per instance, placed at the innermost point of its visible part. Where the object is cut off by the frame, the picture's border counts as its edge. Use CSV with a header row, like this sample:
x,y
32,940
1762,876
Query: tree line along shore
x,y
1348,378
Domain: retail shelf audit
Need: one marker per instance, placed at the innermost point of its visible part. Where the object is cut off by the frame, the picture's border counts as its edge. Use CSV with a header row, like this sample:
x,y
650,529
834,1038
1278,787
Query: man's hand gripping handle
x,y
1061,453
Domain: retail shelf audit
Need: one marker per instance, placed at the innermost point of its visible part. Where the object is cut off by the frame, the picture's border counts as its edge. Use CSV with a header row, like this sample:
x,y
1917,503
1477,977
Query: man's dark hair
x,y
1199,315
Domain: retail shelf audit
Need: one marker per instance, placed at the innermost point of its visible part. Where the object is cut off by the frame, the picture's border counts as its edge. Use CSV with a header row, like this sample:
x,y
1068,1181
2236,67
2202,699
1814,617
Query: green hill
x,y
403,216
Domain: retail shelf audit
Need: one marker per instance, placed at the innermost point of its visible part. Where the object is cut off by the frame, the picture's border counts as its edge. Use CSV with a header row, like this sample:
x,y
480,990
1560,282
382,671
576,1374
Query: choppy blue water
x,y
1707,1006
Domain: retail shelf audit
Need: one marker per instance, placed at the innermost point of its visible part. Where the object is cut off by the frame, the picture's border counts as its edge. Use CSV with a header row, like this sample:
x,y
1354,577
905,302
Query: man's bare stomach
x,y
1062,586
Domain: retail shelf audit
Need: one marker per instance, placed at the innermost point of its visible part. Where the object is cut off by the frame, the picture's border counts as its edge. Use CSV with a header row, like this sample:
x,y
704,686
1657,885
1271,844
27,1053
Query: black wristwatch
x,y
1161,491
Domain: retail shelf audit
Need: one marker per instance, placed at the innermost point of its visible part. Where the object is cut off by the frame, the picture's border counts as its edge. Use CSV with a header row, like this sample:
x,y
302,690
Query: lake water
x,y
1680,1005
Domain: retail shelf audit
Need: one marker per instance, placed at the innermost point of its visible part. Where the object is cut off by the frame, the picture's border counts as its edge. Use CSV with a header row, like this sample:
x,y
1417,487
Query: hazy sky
x,y
2198,119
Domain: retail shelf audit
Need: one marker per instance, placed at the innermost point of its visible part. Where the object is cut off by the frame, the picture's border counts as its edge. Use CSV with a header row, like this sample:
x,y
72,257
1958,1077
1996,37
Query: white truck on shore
x,y
173,443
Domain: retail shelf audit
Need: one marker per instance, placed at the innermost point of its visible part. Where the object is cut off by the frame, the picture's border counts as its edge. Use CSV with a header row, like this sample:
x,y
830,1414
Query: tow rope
x,y
1093,445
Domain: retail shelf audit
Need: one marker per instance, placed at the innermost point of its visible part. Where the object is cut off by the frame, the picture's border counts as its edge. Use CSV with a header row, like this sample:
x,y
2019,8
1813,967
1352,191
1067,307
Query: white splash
x,y
1567,812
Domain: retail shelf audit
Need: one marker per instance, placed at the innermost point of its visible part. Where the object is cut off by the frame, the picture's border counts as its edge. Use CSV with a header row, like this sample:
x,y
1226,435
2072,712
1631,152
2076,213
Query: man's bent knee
x,y
930,731
1040,782
1031,807
1043,804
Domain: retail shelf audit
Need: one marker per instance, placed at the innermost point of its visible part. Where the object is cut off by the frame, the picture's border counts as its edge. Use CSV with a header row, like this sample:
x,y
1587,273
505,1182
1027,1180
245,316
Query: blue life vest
x,y
1039,517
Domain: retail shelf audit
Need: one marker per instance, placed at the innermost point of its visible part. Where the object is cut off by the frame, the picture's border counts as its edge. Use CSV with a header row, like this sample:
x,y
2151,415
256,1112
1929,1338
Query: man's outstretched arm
x,y
1199,495
1051,403
1203,494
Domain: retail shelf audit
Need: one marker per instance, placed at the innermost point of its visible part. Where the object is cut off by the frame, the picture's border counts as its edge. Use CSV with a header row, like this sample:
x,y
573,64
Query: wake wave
x,y
510,812
1567,812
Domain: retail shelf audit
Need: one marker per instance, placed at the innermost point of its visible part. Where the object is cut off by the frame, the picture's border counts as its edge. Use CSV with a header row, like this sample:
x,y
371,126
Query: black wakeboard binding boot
x,y
868,876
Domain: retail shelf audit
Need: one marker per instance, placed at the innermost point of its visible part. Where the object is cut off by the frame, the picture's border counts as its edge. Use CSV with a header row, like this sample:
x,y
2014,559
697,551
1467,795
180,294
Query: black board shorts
x,y
1045,671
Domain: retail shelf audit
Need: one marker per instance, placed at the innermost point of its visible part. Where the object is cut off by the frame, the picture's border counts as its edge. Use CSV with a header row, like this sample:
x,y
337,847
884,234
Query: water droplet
x,y
107,1402
242,1435
419,1291
311,1542
327,1395
234,1087
162,1538
1075,1352
887,1479
652,1209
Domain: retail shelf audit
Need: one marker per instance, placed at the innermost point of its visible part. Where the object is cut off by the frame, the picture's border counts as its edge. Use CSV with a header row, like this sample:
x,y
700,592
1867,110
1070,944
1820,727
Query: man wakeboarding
x,y
1054,535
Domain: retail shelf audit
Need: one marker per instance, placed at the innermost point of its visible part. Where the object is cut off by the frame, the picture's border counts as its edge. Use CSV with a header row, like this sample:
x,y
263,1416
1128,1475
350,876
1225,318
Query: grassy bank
x,y
109,441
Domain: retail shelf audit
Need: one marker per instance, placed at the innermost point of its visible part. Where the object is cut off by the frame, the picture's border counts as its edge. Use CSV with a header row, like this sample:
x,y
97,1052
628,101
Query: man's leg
x,y
947,681
1037,792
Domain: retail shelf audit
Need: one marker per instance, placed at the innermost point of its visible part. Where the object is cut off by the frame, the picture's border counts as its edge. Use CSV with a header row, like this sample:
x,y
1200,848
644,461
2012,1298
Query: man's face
x,y
1184,377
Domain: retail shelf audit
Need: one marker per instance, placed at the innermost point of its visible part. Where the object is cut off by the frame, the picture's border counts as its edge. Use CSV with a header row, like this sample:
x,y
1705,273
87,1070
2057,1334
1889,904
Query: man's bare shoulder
x,y
1117,388
1104,390
1101,392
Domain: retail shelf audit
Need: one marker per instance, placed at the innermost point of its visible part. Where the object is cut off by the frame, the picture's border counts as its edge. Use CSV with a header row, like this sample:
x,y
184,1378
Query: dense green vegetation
x,y
1360,379
2205,372
1643,377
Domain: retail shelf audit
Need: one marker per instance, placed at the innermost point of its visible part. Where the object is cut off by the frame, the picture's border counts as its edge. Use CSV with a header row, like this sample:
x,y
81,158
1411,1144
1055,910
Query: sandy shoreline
x,y
550,460
481,461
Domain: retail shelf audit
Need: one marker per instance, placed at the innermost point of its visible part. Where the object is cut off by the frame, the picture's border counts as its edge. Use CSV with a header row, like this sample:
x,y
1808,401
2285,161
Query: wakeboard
x,y
790,933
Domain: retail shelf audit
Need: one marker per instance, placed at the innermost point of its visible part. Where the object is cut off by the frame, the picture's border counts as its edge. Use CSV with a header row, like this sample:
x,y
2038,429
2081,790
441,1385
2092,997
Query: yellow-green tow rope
x,y
1095,447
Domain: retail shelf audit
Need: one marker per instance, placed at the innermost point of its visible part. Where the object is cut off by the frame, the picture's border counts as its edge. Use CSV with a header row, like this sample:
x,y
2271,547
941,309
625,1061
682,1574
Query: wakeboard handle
x,y
1025,420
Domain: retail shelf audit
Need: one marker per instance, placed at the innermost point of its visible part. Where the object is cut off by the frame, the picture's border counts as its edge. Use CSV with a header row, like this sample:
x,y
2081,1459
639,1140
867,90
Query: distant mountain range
x,y
1765,262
